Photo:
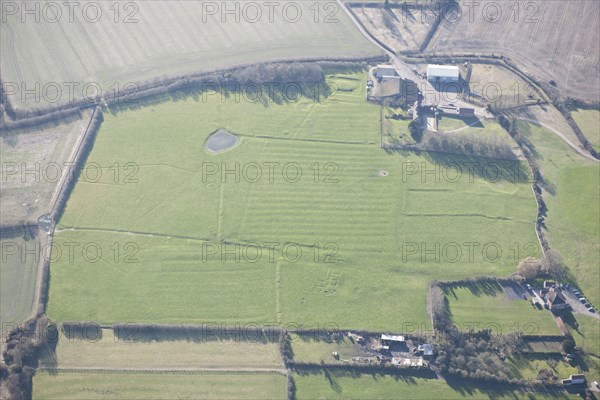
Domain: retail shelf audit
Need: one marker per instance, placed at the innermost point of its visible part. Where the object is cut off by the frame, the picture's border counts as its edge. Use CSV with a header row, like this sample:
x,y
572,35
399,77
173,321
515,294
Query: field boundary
x,y
26,118
188,371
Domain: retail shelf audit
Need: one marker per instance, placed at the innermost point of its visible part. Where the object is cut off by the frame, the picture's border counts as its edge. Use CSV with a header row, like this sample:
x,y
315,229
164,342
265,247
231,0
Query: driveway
x,y
578,308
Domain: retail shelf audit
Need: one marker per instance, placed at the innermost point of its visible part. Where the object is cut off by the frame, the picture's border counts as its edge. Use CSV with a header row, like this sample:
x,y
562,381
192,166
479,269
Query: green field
x,y
137,42
169,353
587,334
450,123
92,386
589,123
528,367
316,351
493,310
376,387
365,226
18,271
572,196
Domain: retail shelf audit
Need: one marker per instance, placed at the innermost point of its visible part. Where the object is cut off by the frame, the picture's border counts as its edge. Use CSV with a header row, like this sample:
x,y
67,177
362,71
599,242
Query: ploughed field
x,y
62,52
305,221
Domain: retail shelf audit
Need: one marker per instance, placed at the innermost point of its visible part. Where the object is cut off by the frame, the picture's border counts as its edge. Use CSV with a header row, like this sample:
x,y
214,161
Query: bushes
x,y
291,386
529,268
477,355
568,345
465,144
20,355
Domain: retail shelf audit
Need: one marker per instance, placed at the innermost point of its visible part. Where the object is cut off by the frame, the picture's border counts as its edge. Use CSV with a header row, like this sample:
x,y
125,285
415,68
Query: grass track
x,y
18,271
92,386
194,353
375,387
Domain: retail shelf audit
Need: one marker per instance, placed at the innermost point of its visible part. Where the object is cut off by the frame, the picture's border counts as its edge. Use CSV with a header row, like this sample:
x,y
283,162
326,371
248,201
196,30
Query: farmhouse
x,y
385,70
555,300
442,73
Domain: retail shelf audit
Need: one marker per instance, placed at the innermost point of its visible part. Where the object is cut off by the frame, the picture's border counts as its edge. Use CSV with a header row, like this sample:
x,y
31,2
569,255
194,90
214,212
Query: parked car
x,y
582,300
587,305
591,309
528,286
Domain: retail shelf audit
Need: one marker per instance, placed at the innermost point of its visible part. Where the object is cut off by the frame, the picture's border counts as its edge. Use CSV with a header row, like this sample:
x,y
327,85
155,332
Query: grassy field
x,y
500,87
317,351
196,352
450,123
587,334
32,163
491,308
573,223
143,41
589,122
364,225
527,367
375,387
92,386
18,271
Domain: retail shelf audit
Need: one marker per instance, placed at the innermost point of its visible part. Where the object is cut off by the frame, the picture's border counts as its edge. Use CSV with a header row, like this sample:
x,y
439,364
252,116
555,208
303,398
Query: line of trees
x,y
275,71
528,150
20,356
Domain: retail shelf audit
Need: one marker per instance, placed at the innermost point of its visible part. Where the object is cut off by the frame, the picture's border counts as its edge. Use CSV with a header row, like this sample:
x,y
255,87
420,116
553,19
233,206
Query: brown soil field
x,y
33,163
550,40
399,28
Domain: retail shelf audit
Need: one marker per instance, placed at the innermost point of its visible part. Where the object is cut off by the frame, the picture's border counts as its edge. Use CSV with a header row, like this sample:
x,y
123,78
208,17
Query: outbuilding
x,y
426,349
390,339
466,112
385,70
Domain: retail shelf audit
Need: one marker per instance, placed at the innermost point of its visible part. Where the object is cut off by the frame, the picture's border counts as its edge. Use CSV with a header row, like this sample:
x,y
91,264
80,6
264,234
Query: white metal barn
x,y
442,73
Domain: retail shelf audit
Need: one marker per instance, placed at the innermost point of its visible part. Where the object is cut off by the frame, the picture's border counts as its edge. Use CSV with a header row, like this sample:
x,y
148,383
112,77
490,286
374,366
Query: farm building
x,y
555,300
549,284
576,379
466,112
426,349
388,340
442,73
385,70
390,86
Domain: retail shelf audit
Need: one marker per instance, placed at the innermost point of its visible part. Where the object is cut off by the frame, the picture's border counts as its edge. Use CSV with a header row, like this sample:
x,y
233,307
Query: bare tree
x,y
553,264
